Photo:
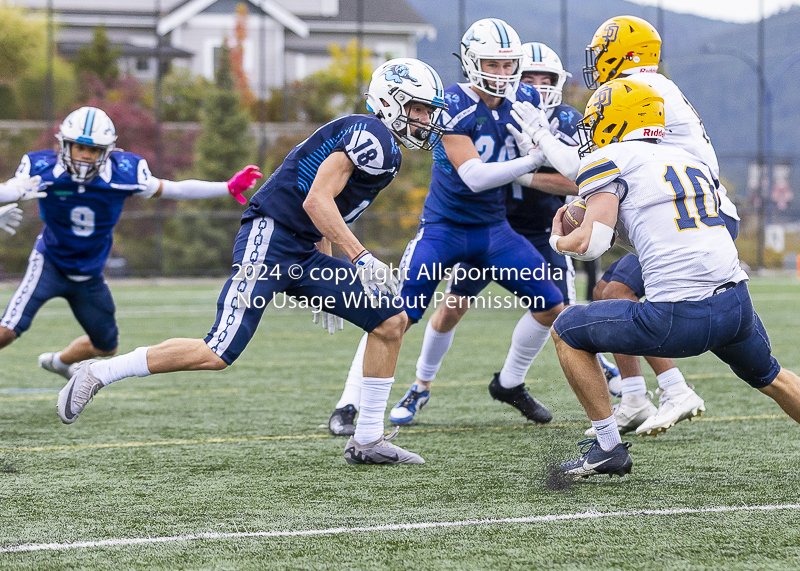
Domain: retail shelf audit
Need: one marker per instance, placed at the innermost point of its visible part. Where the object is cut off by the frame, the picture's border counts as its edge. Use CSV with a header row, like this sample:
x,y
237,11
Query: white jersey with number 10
x,y
669,208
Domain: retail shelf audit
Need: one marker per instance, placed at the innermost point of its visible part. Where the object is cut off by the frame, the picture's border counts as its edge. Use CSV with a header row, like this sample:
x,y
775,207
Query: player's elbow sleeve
x,y
480,176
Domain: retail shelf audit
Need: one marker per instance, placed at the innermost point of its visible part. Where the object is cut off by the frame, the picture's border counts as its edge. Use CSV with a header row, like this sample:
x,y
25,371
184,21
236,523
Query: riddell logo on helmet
x,y
505,50
647,132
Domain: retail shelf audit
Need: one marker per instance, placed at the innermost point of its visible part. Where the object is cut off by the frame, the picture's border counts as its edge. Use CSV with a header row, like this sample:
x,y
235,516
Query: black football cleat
x,y
343,421
594,460
519,398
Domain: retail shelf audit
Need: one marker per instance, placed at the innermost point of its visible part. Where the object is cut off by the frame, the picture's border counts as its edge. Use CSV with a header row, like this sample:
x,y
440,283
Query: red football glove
x,y
243,181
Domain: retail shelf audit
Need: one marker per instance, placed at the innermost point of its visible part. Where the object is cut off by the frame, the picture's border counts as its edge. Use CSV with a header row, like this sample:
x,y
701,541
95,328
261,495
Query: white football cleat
x,y
379,452
674,405
629,413
46,363
77,393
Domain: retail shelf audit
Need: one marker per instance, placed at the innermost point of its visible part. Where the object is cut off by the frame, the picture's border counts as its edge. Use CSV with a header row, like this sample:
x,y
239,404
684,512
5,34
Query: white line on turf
x,y
390,527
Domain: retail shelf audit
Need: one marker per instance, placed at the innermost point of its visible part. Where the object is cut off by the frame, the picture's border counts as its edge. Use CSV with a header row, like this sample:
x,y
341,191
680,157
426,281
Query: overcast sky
x,y
729,10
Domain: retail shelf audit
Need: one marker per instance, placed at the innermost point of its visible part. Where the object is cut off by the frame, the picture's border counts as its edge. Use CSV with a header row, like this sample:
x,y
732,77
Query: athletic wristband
x,y
553,244
361,253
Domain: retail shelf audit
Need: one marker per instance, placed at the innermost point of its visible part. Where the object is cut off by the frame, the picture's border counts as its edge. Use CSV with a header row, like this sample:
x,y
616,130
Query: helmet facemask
x,y
586,129
395,87
415,134
591,76
494,84
81,171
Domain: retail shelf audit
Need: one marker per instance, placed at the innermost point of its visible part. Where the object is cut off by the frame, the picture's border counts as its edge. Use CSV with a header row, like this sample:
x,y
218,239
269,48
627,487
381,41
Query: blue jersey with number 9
x,y
79,218
449,199
365,140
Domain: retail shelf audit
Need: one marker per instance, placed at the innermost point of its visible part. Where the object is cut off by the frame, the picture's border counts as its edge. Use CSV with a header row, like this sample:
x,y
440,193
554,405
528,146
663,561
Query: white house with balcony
x,y
286,39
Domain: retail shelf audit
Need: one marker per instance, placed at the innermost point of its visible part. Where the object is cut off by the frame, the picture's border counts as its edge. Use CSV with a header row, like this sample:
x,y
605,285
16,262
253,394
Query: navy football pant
x,y
90,301
270,260
725,324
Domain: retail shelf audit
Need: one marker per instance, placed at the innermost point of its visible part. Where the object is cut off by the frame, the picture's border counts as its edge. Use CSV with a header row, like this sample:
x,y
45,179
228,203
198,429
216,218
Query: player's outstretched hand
x,y
526,147
29,187
329,321
10,217
375,276
522,139
243,181
532,119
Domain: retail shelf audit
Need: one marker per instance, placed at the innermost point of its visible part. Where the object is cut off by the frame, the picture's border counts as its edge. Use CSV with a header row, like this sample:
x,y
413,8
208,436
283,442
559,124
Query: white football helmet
x,y
491,38
399,82
538,58
88,126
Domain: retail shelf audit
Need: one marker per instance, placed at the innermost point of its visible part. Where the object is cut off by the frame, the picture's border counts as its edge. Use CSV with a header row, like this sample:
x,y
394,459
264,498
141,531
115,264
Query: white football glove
x,y
329,321
28,187
532,120
375,276
523,140
10,217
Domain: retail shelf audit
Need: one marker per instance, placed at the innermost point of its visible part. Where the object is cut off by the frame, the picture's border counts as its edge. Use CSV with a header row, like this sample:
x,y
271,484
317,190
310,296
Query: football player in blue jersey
x,y
531,202
82,188
284,243
464,220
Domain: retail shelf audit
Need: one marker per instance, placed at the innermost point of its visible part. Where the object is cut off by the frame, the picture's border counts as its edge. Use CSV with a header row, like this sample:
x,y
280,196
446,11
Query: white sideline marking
x,y
389,527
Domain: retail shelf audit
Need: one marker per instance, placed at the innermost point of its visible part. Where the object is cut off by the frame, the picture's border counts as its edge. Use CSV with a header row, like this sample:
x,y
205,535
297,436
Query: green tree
x,y
335,90
99,57
21,40
23,67
204,240
184,95
225,139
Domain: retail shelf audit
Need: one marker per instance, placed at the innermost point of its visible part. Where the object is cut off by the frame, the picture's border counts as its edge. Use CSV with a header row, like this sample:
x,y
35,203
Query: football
x,y
573,215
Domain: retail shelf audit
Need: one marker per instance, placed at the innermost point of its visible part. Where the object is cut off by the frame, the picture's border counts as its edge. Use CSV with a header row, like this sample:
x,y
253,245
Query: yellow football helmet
x,y
621,110
620,44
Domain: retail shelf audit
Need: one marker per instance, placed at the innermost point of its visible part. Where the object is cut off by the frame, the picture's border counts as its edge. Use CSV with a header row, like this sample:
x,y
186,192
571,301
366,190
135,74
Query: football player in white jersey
x,y
627,46
697,297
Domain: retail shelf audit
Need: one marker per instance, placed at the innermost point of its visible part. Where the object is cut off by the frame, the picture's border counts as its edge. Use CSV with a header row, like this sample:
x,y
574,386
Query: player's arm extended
x,y
476,174
550,182
241,182
593,237
332,176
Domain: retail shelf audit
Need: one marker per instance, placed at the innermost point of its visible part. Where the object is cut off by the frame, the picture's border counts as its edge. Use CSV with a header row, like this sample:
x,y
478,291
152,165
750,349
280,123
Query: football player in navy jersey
x,y
283,246
464,220
82,188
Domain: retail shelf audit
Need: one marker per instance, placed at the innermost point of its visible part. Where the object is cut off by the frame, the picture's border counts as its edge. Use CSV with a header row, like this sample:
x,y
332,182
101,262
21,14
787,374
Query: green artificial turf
x,y
246,449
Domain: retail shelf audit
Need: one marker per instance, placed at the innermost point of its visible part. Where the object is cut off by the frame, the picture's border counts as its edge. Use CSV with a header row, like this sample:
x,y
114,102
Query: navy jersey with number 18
x,y
366,141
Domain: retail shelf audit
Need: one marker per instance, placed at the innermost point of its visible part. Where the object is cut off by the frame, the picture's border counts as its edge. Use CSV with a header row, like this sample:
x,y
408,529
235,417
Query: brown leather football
x,y
573,215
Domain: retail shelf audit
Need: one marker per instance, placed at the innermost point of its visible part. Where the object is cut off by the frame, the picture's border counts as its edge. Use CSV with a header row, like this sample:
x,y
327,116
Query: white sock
x,y
133,364
607,432
672,378
355,378
633,386
57,362
527,341
434,347
374,396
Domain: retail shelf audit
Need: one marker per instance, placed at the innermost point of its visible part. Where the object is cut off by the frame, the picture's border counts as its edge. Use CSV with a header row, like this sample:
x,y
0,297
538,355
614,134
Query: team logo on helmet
x,y
398,73
468,40
610,32
604,97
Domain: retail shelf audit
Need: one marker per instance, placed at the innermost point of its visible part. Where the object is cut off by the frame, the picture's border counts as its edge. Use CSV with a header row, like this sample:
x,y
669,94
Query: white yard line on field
x,y
119,542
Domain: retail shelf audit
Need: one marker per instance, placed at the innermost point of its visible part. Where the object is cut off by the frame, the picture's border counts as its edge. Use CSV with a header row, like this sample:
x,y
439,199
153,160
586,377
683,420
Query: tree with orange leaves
x,y
246,96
